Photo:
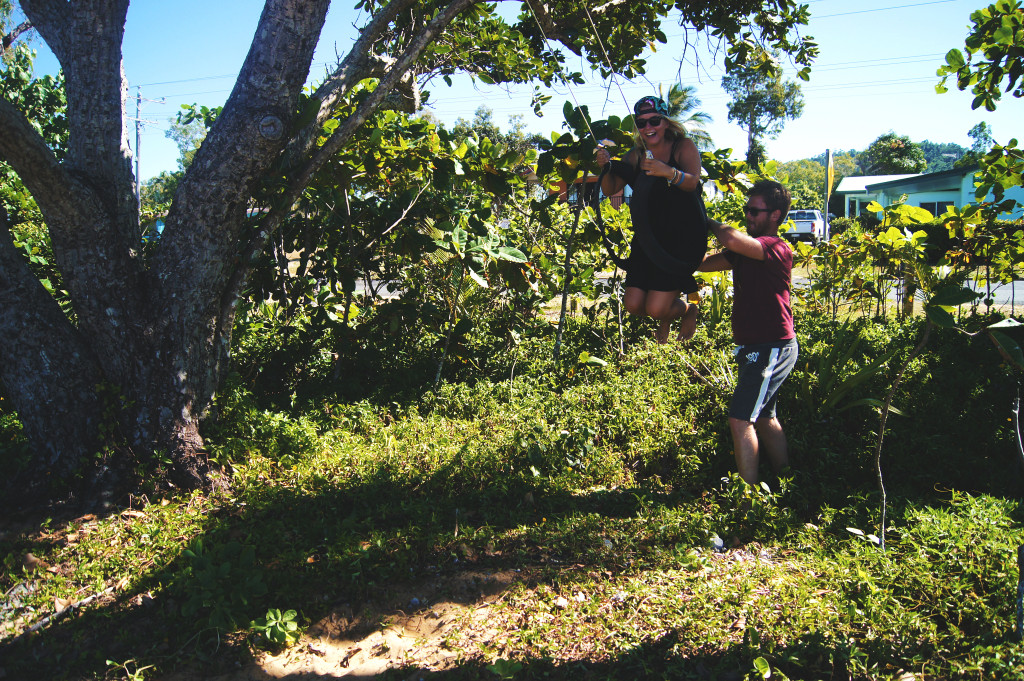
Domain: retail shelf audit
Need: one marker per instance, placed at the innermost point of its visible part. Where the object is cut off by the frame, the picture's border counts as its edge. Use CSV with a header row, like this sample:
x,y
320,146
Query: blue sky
x,y
875,73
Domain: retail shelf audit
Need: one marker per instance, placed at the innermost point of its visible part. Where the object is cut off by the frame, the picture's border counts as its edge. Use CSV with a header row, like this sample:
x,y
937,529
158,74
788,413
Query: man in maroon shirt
x,y
762,324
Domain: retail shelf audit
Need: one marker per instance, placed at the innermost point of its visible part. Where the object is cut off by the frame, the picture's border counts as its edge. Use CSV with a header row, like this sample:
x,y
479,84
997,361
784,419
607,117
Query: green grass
x,y
603,490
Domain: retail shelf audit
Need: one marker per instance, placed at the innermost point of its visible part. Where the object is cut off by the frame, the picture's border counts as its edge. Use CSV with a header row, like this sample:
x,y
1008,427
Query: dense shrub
x,y
658,412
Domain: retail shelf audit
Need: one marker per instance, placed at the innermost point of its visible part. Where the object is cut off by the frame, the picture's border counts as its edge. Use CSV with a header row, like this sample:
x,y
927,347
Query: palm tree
x,y
684,106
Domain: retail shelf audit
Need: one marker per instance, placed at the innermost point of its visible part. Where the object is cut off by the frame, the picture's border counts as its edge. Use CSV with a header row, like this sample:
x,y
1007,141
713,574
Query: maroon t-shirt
x,y
761,310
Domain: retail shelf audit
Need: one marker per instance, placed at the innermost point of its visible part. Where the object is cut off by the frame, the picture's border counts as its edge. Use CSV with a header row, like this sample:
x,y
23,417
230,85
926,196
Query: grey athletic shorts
x,y
762,369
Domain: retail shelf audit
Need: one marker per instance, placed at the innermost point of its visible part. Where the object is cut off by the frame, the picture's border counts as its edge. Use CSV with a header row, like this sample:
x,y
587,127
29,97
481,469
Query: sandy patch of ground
x,y
410,626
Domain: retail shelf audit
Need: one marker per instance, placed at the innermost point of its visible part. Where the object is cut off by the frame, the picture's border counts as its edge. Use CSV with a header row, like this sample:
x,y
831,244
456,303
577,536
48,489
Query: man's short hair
x,y
775,195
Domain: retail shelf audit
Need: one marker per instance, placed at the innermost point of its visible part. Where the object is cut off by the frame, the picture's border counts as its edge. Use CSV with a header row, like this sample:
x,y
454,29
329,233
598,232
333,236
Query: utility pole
x,y
138,142
139,122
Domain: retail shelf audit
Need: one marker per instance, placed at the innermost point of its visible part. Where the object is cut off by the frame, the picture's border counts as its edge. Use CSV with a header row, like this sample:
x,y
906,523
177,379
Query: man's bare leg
x,y
772,442
750,439
744,442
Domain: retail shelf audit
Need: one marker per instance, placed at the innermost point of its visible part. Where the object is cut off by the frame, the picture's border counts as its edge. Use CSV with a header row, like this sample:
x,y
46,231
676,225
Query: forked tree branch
x,y
302,176
16,32
360,63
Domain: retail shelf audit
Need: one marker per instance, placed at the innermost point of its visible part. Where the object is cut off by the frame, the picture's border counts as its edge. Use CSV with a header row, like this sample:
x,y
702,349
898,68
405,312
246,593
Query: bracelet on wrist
x,y
680,179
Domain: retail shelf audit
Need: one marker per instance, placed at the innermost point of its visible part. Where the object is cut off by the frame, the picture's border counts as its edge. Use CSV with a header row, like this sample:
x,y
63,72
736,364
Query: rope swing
x,y
619,261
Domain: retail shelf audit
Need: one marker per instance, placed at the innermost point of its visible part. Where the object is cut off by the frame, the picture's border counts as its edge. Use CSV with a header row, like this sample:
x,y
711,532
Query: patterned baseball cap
x,y
650,105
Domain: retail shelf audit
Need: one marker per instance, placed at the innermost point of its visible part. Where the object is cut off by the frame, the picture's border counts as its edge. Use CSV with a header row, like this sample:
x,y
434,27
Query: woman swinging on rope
x,y
667,210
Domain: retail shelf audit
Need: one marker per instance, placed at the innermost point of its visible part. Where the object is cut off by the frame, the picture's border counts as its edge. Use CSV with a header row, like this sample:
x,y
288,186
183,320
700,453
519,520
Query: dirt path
x,y
426,626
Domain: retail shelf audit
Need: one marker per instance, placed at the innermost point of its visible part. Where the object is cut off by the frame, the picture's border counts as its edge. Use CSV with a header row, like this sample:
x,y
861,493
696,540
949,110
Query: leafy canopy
x,y
892,154
761,103
993,50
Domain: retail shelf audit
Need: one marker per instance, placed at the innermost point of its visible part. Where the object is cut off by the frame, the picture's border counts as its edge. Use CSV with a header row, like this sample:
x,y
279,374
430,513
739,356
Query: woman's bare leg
x,y
635,301
687,323
666,307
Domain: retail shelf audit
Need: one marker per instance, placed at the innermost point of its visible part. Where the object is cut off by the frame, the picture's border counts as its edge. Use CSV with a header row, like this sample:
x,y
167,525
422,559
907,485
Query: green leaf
x,y
1007,347
872,402
940,317
953,295
504,669
915,214
763,668
510,254
1003,35
955,59
586,358
475,276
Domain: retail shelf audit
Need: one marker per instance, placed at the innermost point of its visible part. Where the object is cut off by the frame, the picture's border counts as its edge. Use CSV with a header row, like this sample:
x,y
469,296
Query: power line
x,y
880,9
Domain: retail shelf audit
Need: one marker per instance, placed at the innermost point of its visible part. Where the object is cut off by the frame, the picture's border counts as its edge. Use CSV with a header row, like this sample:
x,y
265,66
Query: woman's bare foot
x,y
664,329
687,324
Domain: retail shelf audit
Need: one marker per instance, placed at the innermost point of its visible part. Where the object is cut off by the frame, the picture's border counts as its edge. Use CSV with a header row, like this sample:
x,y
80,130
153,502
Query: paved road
x,y
1003,295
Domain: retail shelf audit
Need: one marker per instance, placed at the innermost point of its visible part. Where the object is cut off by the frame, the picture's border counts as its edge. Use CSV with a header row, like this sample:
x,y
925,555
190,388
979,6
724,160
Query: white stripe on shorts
x,y
766,378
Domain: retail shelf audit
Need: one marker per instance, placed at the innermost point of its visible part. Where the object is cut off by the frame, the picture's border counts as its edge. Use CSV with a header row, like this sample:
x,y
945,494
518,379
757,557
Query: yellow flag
x,y
831,174
830,177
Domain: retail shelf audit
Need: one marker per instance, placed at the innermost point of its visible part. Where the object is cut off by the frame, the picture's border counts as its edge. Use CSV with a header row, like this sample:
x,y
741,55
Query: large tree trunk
x,y
148,342
148,338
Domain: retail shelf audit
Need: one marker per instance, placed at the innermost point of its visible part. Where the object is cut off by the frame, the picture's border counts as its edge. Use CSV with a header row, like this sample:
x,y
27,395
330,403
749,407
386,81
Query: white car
x,y
808,225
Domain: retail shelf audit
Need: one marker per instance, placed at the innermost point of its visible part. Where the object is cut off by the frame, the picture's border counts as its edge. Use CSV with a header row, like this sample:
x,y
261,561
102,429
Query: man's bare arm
x,y
715,262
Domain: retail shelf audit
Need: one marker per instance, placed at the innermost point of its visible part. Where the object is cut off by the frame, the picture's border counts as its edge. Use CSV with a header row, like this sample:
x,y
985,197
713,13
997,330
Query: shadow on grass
x,y
318,550
360,549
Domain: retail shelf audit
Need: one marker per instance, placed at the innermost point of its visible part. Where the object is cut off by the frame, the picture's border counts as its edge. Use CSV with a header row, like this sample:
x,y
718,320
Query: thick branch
x,y
301,178
8,40
549,26
401,66
200,248
34,162
87,41
45,358
359,64
51,19
91,229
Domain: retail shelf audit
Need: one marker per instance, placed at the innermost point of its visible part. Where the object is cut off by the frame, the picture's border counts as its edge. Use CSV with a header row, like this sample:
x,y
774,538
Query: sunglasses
x,y
653,121
755,211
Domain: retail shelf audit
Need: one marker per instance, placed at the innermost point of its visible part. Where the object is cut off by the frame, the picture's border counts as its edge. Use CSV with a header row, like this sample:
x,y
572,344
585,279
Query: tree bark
x,y
155,334
52,369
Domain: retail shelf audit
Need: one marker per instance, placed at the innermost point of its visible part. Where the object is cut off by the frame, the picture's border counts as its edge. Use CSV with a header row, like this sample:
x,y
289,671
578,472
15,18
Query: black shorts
x,y
642,273
762,370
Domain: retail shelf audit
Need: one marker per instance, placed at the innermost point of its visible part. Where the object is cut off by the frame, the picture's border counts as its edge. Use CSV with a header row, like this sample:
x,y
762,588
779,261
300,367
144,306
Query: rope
x,y
1019,631
565,81
609,246
619,261
608,61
